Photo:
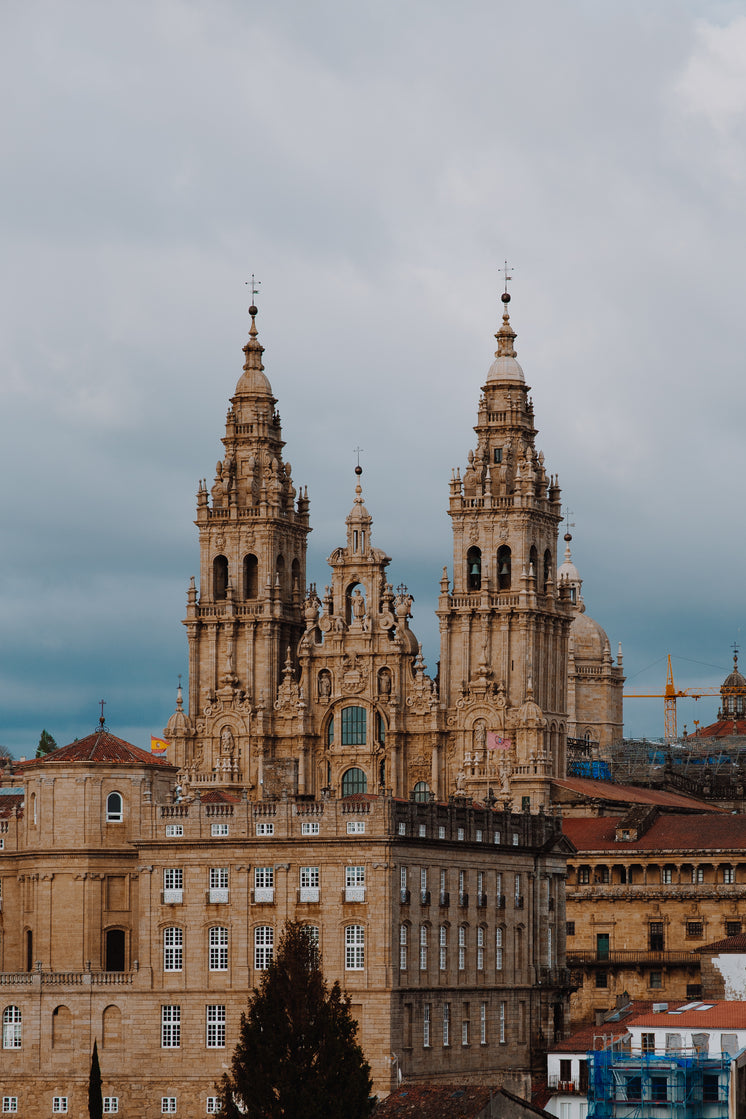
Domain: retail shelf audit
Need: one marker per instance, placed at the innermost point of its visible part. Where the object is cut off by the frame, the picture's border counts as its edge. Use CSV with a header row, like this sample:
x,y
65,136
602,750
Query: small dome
x,y
588,641
505,368
568,571
253,383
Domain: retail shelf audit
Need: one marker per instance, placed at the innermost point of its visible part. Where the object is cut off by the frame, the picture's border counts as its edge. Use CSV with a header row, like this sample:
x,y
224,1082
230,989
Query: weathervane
x,y
255,285
508,277
101,720
357,451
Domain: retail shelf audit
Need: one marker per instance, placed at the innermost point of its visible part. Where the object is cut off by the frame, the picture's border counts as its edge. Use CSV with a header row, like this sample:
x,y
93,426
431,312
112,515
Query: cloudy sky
x,y
373,164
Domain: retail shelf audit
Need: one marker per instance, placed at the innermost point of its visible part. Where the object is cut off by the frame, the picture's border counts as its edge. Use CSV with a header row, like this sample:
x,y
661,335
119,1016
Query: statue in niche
x,y
480,736
384,682
358,606
226,741
325,685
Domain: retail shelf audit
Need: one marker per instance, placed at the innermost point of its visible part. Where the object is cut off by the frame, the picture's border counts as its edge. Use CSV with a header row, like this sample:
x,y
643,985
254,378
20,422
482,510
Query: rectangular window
x,y
426,1026
264,884
695,929
354,948
461,834
218,829
423,947
170,1027
479,835
659,1089
168,1105
173,885
402,947
309,883
402,828
353,726
517,885
213,1105
423,831
356,827
462,949
355,883
698,874
218,885
515,838
12,1027
173,949
498,949
502,1023
667,875
111,1105
584,875
647,1043
656,979
483,1023
656,936
570,928
729,875
441,831
443,945
732,928
264,943
446,1023
174,830
218,949
10,1103
306,828
265,829
59,1104
602,979
496,837
215,1027
465,1031
480,949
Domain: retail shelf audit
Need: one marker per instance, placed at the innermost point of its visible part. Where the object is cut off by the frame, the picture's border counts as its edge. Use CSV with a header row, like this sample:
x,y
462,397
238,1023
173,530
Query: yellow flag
x,y
158,746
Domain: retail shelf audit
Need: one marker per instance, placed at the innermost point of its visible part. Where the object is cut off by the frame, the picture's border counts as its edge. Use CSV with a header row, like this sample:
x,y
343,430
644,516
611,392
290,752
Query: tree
x,y
47,745
297,1054
95,1099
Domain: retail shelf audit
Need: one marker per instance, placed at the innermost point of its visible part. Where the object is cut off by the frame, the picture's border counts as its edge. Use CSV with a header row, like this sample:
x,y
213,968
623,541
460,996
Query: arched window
x,y
380,728
547,570
533,561
330,732
354,781
474,569
421,792
219,578
353,726
296,575
264,946
114,950
114,814
250,576
218,949
33,808
503,568
354,948
62,1027
12,1027
173,949
280,572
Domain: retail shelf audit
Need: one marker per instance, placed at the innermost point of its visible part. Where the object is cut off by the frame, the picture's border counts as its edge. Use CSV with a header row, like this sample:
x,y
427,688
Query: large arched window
x,y
250,576
354,781
114,950
12,1023
474,569
353,726
114,812
547,570
503,568
421,791
62,1027
219,578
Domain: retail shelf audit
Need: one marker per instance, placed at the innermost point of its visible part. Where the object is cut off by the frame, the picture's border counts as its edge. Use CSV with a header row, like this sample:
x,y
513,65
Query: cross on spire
x,y
254,285
101,719
505,269
357,451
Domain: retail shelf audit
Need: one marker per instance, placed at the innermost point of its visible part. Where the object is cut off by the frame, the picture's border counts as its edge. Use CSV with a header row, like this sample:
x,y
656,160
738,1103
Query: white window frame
x,y
426,1026
12,1027
464,1031
502,1023
212,1105
264,827
308,827
423,831
403,934
354,883
168,1105
173,831
443,945
215,1026
423,947
264,946
402,828
218,948
264,883
461,834
480,948
173,885
111,1105
478,835
59,1105
10,1105
496,837
310,881
483,1023
170,1026
729,875
441,831
446,1024
218,885
173,948
354,947
498,949
356,827
112,817
461,948
217,830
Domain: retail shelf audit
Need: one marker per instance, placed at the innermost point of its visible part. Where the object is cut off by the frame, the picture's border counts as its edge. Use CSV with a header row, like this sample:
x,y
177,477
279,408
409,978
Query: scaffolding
x,y
639,1084
703,767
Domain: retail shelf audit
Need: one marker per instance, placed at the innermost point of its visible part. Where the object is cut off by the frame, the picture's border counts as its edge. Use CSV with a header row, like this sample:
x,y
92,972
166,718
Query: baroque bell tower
x,y
504,623
253,528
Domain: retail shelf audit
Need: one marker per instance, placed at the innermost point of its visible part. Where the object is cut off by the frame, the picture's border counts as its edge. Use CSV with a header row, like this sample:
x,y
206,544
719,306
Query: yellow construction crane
x,y
672,693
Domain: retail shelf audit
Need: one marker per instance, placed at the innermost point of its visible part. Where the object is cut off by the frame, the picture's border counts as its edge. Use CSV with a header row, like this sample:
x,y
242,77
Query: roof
x,y
9,802
584,1039
735,944
722,728
450,1101
218,796
101,747
716,1014
632,794
669,832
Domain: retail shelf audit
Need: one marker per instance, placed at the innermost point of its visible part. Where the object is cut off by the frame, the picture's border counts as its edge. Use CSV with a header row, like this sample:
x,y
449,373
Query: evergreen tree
x,y
297,1054
95,1099
46,745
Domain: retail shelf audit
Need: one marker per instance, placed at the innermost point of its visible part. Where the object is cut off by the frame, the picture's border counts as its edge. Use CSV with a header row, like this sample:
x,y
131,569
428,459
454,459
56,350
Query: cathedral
x,y
292,692
317,773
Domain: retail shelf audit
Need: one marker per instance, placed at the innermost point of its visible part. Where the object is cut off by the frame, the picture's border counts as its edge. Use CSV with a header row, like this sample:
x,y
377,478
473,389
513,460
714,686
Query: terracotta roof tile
x,y
448,1101
736,944
584,1039
218,796
722,728
9,802
670,832
632,794
721,1014
103,747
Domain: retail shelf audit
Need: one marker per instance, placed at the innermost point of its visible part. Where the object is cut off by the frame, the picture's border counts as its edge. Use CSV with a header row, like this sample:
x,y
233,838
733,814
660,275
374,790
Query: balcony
x,y
500,901
444,900
309,894
632,957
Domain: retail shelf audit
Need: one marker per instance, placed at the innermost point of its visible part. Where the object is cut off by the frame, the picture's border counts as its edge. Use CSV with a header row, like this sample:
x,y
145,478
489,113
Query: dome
x,y
505,368
588,641
568,571
253,382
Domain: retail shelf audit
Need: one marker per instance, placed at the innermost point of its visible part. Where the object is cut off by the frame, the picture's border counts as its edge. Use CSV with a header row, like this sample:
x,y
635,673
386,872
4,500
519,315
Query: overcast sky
x,y
373,164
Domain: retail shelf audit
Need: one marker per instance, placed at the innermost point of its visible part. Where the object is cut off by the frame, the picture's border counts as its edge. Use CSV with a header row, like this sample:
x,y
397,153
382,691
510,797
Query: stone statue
x,y
226,741
358,605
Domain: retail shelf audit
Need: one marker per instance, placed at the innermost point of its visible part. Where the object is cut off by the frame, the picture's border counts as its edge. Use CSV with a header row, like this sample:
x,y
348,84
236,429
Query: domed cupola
x,y
733,693
505,367
568,574
253,381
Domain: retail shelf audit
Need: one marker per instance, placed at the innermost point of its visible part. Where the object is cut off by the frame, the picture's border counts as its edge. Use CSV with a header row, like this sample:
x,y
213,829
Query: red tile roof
x,y
721,1014
584,1039
670,832
723,728
101,746
9,802
735,944
632,794
218,796
449,1101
